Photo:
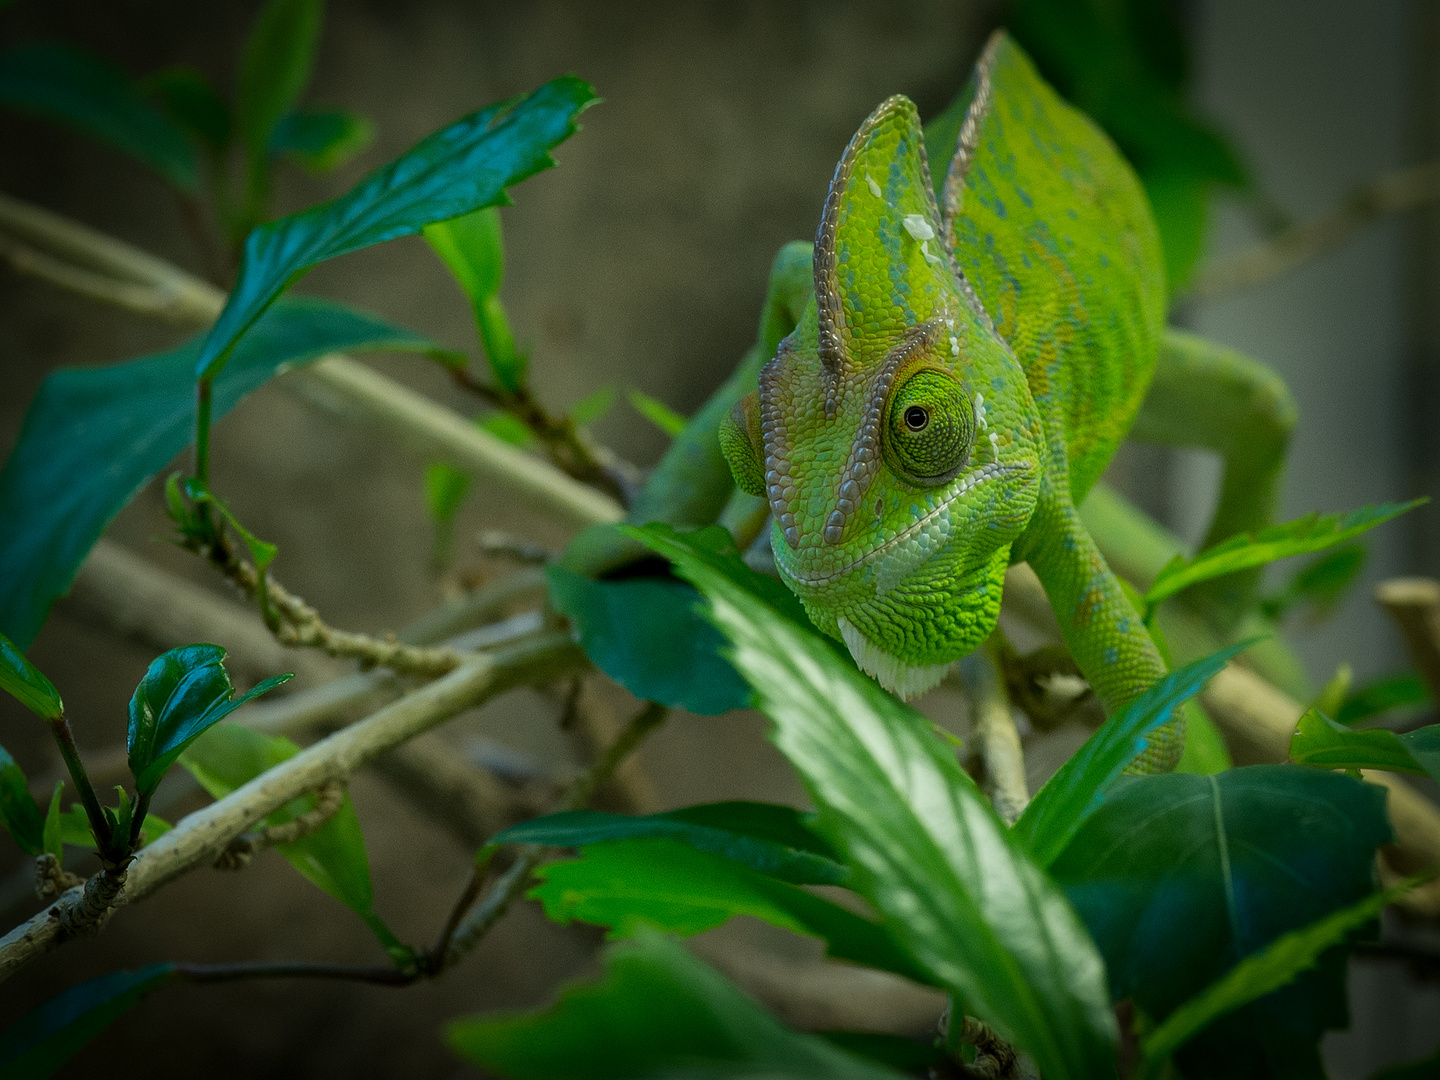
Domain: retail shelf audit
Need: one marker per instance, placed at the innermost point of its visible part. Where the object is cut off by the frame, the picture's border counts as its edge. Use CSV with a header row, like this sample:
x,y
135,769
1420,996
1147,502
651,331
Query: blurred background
x,y
641,262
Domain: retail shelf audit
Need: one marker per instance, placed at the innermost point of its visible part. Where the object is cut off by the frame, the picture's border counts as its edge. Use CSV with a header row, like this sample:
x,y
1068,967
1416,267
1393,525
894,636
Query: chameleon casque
x,y
976,347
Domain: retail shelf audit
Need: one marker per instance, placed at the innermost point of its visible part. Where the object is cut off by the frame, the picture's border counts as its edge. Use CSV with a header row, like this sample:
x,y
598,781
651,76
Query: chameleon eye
x,y
930,429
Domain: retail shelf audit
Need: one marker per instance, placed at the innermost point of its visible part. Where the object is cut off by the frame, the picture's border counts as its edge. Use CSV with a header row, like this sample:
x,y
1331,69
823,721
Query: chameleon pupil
x,y
931,428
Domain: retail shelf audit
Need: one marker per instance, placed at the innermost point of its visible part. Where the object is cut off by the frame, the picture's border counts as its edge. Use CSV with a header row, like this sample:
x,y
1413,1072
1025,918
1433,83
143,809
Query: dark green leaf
x,y
774,840
1314,532
54,842
333,857
473,248
645,634
186,691
924,847
95,436
456,170
44,1039
1402,690
657,412
25,682
87,94
1078,789
625,884
321,140
1180,877
275,66
1321,583
593,406
190,100
658,1008
18,809
1268,970
1321,742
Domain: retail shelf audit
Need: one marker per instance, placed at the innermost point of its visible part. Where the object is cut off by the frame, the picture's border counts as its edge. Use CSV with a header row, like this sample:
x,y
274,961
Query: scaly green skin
x,y
1038,293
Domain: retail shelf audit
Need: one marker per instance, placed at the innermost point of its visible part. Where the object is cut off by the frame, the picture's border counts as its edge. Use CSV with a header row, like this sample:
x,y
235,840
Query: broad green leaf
x,y
625,884
1205,751
657,412
90,95
950,881
1180,877
1314,532
1263,972
192,102
593,406
333,857
275,66
445,489
93,437
1403,690
321,140
18,809
45,1038
1321,742
473,248
458,169
74,828
645,634
1079,788
185,691
775,840
657,1008
27,683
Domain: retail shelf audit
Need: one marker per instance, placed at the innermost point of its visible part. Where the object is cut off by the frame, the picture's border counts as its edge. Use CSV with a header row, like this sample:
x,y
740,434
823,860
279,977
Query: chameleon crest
x,y
893,434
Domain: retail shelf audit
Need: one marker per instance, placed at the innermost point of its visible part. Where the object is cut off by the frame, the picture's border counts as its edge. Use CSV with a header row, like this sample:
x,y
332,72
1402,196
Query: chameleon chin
x,y
974,352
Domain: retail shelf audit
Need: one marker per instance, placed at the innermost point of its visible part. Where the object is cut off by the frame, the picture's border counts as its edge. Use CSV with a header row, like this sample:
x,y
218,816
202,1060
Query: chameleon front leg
x,y
1100,626
1206,395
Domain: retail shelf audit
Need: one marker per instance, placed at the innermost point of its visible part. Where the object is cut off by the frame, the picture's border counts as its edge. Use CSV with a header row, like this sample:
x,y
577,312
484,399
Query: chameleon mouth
x,y
993,471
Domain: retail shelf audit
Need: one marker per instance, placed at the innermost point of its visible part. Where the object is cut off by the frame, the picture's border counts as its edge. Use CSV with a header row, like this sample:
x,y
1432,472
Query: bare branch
x,y
1414,605
994,727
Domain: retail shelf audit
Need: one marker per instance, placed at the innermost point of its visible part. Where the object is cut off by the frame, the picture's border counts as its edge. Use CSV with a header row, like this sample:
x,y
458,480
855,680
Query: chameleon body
x,y
974,353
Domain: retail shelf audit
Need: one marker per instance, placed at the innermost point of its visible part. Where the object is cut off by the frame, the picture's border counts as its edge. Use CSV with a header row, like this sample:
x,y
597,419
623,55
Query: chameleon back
x,y
1054,233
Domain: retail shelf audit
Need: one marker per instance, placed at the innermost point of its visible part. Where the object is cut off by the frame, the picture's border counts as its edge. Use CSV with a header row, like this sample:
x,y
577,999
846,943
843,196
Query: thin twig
x,y
1392,193
995,734
294,969
328,800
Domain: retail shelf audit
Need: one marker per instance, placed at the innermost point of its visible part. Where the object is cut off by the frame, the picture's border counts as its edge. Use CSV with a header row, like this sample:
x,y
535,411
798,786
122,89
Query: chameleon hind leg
x,y
1100,626
1208,396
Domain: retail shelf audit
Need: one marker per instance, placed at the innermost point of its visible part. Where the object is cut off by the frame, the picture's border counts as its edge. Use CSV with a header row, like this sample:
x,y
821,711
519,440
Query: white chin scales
x,y
901,679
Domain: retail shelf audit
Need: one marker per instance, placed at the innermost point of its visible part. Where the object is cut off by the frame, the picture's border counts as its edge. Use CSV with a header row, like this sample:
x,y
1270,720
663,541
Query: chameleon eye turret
x,y
931,428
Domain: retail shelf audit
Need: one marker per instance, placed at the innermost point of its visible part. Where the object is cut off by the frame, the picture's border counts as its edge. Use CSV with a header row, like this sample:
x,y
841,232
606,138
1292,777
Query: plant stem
x,y
295,969
137,822
99,824
203,390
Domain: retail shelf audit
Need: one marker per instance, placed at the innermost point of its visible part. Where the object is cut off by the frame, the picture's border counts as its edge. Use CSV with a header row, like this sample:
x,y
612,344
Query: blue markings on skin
x,y
997,383
1111,655
1025,198
1124,626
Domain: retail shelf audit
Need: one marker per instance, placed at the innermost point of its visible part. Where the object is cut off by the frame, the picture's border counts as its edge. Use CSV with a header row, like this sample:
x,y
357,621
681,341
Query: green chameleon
x,y
976,347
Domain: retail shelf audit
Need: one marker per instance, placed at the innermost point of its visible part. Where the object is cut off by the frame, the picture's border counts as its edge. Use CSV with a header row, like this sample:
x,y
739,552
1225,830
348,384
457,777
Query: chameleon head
x,y
893,434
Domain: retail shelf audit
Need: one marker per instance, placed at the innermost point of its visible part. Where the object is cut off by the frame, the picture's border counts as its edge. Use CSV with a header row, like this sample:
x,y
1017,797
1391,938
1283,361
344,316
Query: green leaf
x,y
1078,789
473,248
18,810
1314,532
1322,743
321,140
262,552
54,842
93,437
73,828
26,683
510,428
657,412
1263,972
333,857
185,691
1322,583
1180,877
91,96
1403,690
657,1008
445,489
458,169
275,66
775,840
625,884
190,100
44,1039
949,880
593,406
